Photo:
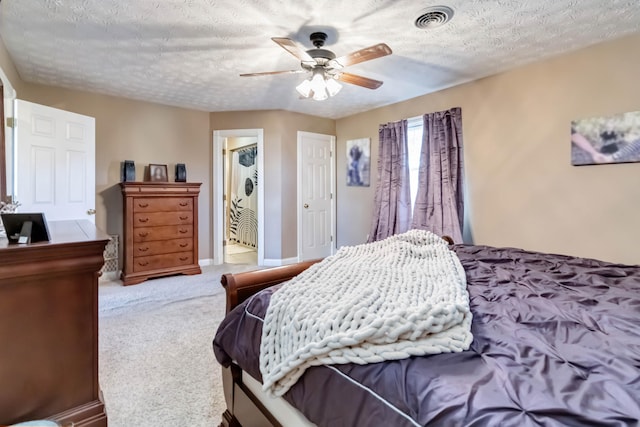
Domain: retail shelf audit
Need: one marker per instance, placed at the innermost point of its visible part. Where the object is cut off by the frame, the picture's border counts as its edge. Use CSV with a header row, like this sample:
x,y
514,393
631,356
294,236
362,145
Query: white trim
x,y
273,262
219,137
205,262
332,186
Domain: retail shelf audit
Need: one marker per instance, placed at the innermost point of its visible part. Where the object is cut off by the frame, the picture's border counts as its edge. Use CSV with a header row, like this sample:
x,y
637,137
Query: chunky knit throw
x,y
399,297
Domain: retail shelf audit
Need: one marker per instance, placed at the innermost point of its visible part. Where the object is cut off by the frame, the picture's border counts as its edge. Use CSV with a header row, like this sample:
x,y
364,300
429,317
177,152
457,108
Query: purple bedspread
x,y
556,343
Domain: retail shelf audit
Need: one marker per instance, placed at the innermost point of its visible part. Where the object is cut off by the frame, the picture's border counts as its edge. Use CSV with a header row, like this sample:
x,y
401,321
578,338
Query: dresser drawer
x,y
162,204
156,262
142,219
162,247
147,234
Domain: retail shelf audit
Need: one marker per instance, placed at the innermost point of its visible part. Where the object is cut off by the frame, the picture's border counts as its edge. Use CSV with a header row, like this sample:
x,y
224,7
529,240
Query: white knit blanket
x,y
399,297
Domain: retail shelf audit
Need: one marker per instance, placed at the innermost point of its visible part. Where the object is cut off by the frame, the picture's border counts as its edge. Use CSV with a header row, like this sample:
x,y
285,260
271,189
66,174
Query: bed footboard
x,y
240,400
241,286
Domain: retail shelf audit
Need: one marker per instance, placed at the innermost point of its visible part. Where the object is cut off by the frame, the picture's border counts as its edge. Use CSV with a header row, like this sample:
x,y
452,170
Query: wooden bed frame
x,y
243,407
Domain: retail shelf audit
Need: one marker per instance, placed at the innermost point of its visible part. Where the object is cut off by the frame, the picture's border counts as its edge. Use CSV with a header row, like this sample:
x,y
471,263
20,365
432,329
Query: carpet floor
x,y
156,363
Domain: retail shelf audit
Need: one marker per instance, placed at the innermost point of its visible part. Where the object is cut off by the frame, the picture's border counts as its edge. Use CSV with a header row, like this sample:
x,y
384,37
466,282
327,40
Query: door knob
x,y
305,206
91,212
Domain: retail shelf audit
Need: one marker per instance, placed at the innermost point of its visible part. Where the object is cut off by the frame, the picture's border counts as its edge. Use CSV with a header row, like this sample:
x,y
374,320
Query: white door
x,y
54,162
316,186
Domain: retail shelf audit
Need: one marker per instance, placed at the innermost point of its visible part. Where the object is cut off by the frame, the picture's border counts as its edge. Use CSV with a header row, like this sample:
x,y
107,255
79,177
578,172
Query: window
x,y
414,143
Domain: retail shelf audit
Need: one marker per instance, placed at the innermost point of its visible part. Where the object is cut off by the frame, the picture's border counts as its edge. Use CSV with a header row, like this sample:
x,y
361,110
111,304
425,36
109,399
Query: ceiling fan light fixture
x,y
317,83
333,87
326,68
319,86
320,95
304,88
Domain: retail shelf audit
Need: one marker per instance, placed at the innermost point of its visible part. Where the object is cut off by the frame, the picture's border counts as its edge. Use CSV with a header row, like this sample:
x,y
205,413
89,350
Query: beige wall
x,y
143,132
280,174
521,188
8,68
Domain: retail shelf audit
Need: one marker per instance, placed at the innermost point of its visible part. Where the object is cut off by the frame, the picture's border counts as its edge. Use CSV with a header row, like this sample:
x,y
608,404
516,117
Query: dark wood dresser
x,y
160,230
49,327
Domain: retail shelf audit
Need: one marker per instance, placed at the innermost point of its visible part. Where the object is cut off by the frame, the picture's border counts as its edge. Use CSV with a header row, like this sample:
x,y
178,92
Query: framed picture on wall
x,y
610,139
358,162
158,173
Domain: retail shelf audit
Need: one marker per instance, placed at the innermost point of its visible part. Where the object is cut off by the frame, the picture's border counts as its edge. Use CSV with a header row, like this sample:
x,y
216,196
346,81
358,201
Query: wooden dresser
x,y
49,327
160,230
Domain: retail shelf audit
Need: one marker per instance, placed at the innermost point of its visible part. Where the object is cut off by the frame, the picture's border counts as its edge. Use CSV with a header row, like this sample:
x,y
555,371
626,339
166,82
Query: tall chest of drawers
x,y
160,230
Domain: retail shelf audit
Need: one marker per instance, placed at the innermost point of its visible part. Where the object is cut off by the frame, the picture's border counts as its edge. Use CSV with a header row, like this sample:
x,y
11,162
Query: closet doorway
x,y
238,220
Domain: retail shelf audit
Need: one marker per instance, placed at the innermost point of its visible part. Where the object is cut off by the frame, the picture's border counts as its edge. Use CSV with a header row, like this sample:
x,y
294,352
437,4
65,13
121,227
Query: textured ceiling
x,y
189,53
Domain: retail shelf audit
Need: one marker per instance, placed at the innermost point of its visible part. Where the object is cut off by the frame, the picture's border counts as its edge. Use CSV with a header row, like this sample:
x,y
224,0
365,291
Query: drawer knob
x,y
183,218
184,258
145,249
143,234
143,219
184,203
183,231
143,263
184,245
143,205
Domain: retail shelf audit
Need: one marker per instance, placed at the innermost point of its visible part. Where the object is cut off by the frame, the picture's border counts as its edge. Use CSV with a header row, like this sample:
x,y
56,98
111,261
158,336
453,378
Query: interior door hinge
x,y
331,239
11,122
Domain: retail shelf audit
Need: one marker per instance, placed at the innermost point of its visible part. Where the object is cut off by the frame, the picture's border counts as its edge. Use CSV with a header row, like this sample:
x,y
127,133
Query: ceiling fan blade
x,y
291,47
268,73
359,80
366,54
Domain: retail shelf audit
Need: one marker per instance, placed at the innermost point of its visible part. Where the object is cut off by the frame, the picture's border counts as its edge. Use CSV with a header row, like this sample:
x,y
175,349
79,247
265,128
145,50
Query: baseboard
x,y
272,262
205,262
110,276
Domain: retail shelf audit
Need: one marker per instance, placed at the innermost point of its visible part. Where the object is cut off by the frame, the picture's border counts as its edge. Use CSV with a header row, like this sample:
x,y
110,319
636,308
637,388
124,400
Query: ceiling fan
x,y
326,68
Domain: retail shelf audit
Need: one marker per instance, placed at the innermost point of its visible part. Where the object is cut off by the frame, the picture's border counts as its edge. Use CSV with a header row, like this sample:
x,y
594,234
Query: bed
x,y
556,342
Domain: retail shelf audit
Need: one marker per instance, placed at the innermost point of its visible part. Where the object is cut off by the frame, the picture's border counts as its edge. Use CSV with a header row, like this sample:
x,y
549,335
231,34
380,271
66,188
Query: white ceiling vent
x,y
433,17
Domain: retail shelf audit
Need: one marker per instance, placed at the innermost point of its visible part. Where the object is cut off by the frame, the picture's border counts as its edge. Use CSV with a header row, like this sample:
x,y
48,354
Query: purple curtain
x,y
439,205
392,211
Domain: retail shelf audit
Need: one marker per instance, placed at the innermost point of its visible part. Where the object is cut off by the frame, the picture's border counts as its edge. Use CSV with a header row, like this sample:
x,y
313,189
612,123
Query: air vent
x,y
433,17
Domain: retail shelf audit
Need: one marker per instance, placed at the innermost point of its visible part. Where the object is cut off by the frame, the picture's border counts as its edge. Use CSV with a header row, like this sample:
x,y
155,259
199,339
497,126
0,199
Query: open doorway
x,y
238,194
241,200
7,98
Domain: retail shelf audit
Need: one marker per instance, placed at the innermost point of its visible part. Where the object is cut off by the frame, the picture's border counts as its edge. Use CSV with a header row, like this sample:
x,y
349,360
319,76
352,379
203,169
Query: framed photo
x,y
609,139
358,162
25,227
158,173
